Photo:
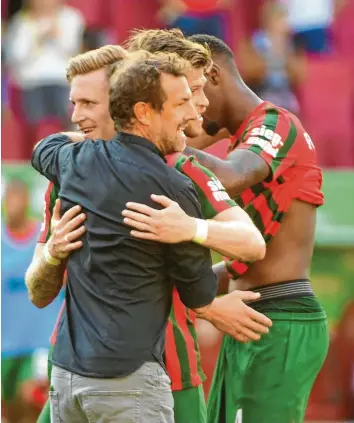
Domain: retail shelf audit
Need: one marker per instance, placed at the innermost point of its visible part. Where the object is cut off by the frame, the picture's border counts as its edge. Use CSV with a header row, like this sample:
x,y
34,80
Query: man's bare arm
x,y
231,233
43,280
241,170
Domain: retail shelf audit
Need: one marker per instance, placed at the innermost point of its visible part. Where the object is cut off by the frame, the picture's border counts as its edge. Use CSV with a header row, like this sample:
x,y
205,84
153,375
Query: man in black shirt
x,y
111,338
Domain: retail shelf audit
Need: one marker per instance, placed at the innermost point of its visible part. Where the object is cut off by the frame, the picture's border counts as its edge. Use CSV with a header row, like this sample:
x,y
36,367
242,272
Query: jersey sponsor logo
x,y
309,141
265,145
239,416
218,190
274,138
272,142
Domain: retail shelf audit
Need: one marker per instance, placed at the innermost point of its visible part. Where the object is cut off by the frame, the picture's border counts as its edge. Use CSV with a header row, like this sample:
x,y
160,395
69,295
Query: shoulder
x,y
274,125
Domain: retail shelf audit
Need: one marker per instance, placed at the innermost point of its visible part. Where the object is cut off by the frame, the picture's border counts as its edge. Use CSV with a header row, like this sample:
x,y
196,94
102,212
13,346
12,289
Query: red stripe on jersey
x,y
171,359
262,207
247,196
272,229
53,337
180,311
47,215
238,267
172,159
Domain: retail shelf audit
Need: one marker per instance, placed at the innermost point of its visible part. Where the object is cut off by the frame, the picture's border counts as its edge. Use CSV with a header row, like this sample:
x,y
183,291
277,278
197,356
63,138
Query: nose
x,y
202,102
77,116
191,112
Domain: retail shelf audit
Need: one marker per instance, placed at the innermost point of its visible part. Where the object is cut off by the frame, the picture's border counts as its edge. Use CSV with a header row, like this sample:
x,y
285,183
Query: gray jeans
x,y
143,397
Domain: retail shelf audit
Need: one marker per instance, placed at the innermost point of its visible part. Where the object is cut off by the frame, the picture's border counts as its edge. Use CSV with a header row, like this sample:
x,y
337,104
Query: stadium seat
x,y
126,15
343,32
13,139
326,107
94,11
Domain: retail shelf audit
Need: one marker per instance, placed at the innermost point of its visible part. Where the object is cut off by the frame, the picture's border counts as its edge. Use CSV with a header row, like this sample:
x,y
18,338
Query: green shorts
x,y
15,371
189,405
271,380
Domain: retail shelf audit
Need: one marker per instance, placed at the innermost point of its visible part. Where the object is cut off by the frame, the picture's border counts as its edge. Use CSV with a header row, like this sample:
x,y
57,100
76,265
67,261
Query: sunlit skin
x,y
197,80
166,127
89,95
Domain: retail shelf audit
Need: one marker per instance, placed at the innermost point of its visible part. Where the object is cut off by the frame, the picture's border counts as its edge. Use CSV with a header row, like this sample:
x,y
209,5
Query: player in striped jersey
x,y
271,171
188,377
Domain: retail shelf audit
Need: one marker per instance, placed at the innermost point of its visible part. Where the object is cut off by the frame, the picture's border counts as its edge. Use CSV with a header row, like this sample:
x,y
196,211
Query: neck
x,y
142,131
240,104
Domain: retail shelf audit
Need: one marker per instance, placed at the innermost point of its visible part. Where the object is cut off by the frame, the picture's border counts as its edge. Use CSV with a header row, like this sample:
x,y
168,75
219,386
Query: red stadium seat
x,y
326,105
47,127
343,32
13,140
126,15
94,11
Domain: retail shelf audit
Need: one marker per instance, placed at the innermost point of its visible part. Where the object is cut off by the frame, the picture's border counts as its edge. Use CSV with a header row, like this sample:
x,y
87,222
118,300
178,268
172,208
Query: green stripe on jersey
x,y
196,346
54,195
271,119
181,349
288,143
256,217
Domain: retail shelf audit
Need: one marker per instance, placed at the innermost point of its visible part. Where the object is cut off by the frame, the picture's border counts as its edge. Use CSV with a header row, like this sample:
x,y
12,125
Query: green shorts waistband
x,y
295,316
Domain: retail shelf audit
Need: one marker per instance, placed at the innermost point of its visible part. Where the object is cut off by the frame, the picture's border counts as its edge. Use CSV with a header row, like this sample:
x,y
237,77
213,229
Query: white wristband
x,y
50,259
202,231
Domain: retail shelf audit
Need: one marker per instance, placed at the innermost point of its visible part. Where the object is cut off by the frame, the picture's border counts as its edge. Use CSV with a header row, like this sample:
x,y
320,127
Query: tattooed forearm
x,y
44,281
241,170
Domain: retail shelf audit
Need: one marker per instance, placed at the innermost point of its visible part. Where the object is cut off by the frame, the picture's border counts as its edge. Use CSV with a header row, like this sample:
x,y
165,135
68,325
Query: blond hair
x,y
170,41
138,79
103,57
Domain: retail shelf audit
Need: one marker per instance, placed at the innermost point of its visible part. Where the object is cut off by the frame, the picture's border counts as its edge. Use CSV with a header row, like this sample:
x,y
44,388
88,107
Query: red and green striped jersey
x,y
182,355
279,138
51,194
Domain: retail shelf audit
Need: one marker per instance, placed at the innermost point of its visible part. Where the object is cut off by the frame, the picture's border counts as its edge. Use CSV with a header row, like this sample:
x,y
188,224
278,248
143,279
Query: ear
x,y
142,112
214,74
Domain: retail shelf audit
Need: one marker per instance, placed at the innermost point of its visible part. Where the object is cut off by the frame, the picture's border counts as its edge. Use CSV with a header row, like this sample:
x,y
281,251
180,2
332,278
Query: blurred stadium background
x,y
296,53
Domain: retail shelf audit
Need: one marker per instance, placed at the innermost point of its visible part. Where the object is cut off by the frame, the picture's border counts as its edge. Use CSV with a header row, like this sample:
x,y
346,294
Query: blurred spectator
x,y
271,53
195,16
24,328
19,237
311,23
41,39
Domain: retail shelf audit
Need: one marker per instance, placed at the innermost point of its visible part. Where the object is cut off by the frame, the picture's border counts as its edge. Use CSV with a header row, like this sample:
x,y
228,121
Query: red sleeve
x,y
273,136
47,214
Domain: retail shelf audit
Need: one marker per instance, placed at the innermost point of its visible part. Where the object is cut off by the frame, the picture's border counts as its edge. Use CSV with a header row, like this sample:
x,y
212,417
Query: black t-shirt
x,y
118,294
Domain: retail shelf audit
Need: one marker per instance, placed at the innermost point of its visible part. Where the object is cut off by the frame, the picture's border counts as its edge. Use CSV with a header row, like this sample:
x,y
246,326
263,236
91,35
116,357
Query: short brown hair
x,y
94,60
138,79
170,41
